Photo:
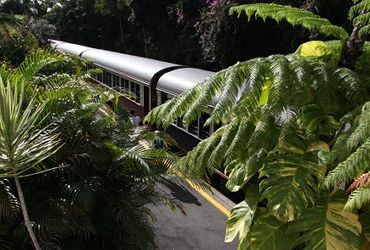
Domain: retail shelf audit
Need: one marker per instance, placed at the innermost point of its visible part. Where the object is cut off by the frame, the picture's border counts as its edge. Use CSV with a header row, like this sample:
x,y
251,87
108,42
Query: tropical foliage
x,y
87,177
298,124
199,33
16,41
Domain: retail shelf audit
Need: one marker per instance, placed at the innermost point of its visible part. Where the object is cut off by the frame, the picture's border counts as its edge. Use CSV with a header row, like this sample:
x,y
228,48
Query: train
x,y
152,83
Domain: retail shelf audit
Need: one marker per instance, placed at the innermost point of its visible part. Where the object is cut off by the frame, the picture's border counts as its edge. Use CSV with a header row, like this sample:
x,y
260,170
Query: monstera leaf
x,y
268,233
242,216
290,184
327,226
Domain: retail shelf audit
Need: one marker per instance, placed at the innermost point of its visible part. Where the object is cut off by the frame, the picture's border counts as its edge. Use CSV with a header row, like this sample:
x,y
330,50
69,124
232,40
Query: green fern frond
x,y
36,61
362,131
294,16
365,31
217,156
260,91
209,146
351,168
358,198
249,85
239,144
212,89
359,14
83,193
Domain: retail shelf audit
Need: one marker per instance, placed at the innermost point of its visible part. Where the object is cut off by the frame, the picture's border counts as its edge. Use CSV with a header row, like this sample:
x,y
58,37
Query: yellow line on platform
x,y
209,198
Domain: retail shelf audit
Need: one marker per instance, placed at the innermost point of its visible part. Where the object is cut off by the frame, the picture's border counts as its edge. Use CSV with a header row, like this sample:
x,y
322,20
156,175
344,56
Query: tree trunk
x,y
352,49
25,214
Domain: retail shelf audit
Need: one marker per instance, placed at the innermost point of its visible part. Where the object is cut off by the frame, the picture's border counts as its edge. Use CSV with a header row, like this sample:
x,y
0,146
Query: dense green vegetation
x,y
15,40
197,33
294,116
295,135
70,164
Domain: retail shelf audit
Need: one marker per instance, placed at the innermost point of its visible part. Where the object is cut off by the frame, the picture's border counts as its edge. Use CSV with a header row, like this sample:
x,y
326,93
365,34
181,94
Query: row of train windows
x,y
120,84
198,127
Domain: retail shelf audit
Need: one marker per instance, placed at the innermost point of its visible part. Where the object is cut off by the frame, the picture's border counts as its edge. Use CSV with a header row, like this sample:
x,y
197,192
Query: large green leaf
x,y
326,226
268,233
241,173
290,185
242,216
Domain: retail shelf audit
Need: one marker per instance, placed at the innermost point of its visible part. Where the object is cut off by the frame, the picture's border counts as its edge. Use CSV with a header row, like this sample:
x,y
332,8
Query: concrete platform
x,y
203,226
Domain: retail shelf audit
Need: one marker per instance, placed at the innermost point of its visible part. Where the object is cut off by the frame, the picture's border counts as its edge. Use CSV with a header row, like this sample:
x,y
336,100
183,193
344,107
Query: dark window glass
x,y
204,132
104,80
179,123
137,92
127,84
99,77
107,79
115,82
193,128
120,84
132,90
217,126
164,97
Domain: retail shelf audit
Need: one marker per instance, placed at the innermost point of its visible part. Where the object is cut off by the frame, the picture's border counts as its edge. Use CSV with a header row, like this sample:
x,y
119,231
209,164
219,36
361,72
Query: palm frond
x,y
36,61
22,147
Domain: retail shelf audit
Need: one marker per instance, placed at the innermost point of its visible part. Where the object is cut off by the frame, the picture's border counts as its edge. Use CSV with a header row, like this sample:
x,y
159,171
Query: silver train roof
x,y
138,68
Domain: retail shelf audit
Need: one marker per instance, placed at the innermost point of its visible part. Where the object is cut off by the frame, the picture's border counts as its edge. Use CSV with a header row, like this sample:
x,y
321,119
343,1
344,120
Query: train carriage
x,y
152,82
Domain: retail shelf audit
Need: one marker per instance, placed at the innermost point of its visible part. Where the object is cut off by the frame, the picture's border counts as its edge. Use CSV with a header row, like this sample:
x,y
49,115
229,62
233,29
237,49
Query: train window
x,y
99,77
179,123
193,128
103,77
164,97
132,90
204,131
127,85
158,98
115,82
120,84
107,78
216,126
137,92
